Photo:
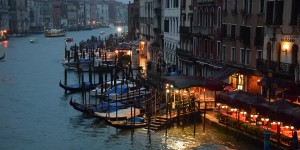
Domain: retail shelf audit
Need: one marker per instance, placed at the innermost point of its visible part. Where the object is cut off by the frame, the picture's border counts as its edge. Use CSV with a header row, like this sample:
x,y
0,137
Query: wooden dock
x,y
164,121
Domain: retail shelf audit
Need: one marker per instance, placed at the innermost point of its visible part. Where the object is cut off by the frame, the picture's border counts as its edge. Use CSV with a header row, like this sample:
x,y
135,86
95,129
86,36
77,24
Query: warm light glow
x,y
267,119
286,46
116,51
119,29
176,91
278,123
240,87
292,127
168,91
128,52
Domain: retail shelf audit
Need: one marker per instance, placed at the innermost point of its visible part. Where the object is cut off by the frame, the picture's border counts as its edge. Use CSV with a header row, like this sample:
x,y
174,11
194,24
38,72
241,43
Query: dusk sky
x,y
124,1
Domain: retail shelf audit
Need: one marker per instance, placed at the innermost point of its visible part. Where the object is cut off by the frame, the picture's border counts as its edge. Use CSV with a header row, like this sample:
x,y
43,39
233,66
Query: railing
x,y
185,53
276,67
185,30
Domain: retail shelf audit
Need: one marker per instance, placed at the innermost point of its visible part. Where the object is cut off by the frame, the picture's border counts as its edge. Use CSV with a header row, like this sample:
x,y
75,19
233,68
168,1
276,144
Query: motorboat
x,y
33,40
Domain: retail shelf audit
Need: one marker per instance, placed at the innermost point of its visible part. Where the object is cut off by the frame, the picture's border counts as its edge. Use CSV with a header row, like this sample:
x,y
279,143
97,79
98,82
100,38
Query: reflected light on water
x,y
5,43
180,144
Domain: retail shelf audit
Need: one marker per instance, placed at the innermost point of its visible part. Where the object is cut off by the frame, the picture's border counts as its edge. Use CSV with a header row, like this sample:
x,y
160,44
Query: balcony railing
x,y
276,67
184,53
185,30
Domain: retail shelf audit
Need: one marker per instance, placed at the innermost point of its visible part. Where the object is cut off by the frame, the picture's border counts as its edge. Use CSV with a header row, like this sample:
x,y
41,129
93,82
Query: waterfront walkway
x,y
257,136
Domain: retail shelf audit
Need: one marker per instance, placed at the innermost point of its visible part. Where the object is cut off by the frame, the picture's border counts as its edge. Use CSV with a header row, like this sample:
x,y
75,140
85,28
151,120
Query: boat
x,y
78,87
119,114
68,39
102,33
109,85
84,64
55,33
91,108
126,92
33,40
134,122
2,57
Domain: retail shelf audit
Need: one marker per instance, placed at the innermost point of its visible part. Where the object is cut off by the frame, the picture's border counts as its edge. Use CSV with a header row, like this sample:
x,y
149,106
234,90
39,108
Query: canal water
x,y
35,112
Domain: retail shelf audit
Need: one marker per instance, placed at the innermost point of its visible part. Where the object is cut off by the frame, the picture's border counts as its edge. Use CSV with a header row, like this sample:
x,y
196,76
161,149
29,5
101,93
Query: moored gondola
x,y
91,108
135,122
2,57
78,87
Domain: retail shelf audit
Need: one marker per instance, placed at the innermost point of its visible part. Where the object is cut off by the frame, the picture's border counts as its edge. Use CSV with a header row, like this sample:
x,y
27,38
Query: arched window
x,y
206,16
219,17
201,17
212,17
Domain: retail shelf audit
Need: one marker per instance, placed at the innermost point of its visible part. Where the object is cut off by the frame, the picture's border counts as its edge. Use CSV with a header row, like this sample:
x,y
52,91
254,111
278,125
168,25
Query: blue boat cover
x,y
119,90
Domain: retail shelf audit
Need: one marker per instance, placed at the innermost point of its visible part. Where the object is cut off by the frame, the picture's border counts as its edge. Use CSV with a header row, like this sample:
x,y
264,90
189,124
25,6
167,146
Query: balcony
x,y
157,30
184,30
184,53
275,67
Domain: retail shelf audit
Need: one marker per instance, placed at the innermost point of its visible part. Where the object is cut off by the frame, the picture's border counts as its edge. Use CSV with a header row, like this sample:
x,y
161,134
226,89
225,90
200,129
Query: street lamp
x,y
119,29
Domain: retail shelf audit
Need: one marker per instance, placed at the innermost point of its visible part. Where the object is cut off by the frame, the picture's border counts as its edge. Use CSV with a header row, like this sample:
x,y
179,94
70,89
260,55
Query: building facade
x,y
133,20
4,18
171,22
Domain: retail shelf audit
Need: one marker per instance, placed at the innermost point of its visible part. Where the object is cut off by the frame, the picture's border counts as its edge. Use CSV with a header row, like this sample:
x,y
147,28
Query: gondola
x,y
2,57
119,114
135,122
78,87
91,108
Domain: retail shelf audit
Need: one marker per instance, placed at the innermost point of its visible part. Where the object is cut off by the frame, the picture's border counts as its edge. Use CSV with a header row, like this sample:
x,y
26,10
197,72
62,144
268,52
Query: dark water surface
x,y
35,113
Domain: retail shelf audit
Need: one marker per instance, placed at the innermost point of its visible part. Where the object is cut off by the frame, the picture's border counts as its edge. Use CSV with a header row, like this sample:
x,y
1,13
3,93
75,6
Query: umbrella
x,y
295,141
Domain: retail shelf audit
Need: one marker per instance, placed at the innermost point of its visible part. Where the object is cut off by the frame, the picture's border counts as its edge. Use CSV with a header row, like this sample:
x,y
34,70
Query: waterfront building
x,y
84,14
102,14
171,22
206,37
133,20
40,15
56,14
242,33
280,55
19,17
185,53
4,18
156,46
146,27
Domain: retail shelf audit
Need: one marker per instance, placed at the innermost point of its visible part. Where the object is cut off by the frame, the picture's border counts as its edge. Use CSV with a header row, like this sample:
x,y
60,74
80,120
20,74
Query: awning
x,y
224,73
182,82
228,71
